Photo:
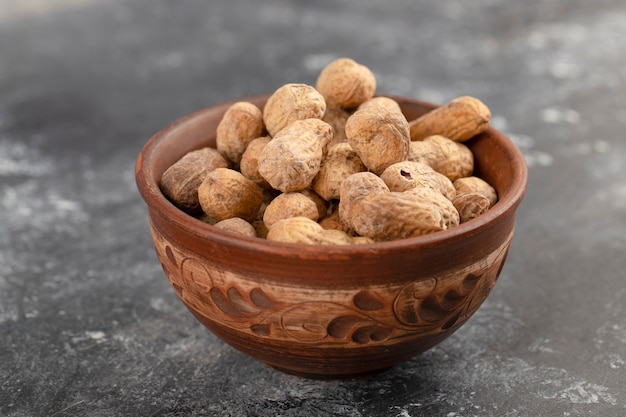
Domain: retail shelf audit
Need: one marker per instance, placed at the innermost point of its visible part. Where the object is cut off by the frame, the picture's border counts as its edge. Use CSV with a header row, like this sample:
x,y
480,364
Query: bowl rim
x,y
156,201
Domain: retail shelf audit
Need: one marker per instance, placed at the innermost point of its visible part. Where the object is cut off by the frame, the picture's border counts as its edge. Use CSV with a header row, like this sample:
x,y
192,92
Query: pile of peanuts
x,y
335,164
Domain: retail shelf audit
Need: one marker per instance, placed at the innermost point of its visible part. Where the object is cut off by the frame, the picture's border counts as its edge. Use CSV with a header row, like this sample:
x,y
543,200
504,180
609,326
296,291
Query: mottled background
x,y
89,325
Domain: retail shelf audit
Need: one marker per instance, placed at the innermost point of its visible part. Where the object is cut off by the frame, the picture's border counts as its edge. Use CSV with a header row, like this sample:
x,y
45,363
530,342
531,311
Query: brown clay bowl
x,y
330,311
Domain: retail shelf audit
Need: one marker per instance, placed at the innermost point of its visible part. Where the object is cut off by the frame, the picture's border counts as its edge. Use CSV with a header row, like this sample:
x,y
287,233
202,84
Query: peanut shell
x,y
340,162
291,160
292,204
225,193
448,212
238,226
249,165
241,123
459,119
346,83
381,104
307,231
450,158
471,205
337,117
405,175
380,138
180,181
292,102
355,188
396,215
475,184
334,222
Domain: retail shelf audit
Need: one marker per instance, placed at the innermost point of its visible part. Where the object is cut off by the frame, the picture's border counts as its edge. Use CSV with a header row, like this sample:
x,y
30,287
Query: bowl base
x,y
331,377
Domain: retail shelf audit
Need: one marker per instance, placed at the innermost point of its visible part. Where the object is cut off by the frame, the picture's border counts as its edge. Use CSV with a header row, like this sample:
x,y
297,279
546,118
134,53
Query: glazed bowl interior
x,y
330,311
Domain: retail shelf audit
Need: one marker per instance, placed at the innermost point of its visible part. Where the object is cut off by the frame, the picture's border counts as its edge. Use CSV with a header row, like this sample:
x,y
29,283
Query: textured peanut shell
x,y
268,195
406,175
471,205
340,162
249,165
346,83
292,102
475,184
291,160
450,158
296,230
340,237
396,215
180,181
459,119
238,226
444,205
293,204
225,193
362,240
336,237
379,138
333,222
320,203
307,231
355,188
381,104
241,123
337,117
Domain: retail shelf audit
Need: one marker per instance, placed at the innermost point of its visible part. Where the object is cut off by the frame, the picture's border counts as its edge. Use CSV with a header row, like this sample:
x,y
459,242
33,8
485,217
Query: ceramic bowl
x,y
330,311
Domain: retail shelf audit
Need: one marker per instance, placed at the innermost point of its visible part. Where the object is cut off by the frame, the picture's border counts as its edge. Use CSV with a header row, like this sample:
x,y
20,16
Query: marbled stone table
x,y
88,323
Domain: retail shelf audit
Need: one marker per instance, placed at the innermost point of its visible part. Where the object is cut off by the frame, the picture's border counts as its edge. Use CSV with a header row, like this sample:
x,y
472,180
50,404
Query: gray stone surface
x,y
89,325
